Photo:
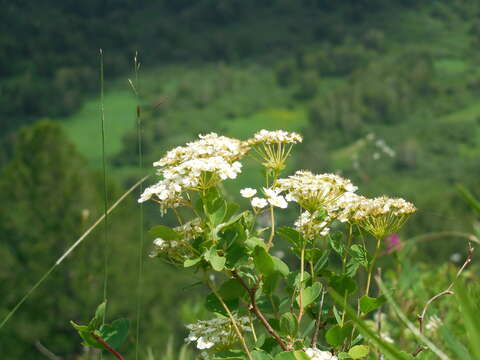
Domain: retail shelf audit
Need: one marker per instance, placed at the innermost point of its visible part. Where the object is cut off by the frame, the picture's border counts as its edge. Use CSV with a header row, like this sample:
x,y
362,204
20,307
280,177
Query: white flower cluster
x,y
433,323
272,196
178,250
313,191
379,216
198,165
316,354
216,333
275,137
313,224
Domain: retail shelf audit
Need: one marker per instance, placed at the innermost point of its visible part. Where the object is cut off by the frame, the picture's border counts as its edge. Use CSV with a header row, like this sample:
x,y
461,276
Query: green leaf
x,y
217,261
270,282
343,284
359,255
289,324
212,304
388,349
309,294
98,318
343,355
292,355
359,351
336,335
191,262
280,266
253,242
114,334
322,262
261,355
368,304
231,289
86,335
164,232
291,235
471,200
335,239
263,261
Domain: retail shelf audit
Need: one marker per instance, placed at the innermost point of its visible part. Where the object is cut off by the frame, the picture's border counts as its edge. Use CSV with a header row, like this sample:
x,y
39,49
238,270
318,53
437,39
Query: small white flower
x,y
202,344
248,192
316,354
278,201
158,242
259,203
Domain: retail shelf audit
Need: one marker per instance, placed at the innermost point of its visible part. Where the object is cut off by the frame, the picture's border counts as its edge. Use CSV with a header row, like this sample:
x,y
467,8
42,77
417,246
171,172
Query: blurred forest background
x,y
386,92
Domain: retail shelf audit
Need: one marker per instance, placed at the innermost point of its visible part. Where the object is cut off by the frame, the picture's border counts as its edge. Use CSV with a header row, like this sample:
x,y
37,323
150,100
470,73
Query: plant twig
x,y
108,347
45,351
232,319
319,325
254,308
447,291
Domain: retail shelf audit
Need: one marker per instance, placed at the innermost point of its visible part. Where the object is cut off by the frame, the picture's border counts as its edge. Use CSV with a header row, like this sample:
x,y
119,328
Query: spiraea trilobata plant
x,y
261,307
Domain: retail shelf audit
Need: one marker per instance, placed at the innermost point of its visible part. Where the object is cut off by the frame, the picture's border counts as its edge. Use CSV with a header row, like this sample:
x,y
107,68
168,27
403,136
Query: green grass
x,y
85,130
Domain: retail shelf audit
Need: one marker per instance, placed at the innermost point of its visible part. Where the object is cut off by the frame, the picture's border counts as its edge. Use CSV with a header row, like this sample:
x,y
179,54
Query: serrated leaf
x,y
368,304
359,351
359,255
164,232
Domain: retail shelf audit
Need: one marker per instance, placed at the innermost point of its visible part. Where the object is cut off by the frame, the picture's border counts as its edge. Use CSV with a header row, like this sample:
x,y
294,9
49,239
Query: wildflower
x,y
456,257
259,203
273,147
316,354
198,165
248,192
216,334
314,192
393,243
178,251
310,225
379,216
274,198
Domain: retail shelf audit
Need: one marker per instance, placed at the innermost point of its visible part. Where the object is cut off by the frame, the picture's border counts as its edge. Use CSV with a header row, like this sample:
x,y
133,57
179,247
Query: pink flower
x,y
393,243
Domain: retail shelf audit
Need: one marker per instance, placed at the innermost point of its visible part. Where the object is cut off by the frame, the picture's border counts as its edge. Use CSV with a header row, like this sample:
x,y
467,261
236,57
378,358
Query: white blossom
x,y
259,203
248,192
316,354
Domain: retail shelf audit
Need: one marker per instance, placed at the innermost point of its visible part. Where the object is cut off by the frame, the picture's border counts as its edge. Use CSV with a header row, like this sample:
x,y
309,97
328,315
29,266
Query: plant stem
x,y
372,264
232,319
300,295
272,232
258,313
108,347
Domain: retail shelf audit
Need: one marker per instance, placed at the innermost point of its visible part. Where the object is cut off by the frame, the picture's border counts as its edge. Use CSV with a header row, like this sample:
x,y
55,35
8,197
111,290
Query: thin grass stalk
x,y
105,196
141,237
68,252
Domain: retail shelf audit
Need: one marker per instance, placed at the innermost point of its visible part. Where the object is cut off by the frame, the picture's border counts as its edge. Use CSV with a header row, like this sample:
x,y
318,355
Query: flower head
x,y
316,354
196,166
259,203
248,192
314,192
273,147
217,334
